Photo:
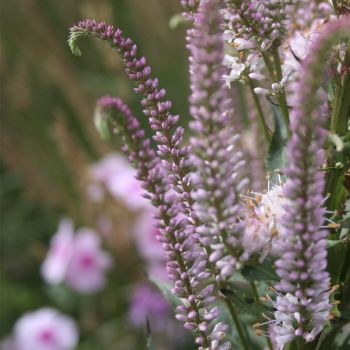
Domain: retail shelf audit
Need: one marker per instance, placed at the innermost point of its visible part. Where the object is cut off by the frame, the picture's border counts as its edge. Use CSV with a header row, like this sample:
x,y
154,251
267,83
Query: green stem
x,y
269,66
300,343
269,343
341,104
345,282
243,107
256,296
254,290
335,188
260,113
339,124
282,97
275,72
237,324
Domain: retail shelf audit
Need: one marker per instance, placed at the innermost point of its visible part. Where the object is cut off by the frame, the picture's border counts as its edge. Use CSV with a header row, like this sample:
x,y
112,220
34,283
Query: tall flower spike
x,y
302,305
168,135
185,266
217,156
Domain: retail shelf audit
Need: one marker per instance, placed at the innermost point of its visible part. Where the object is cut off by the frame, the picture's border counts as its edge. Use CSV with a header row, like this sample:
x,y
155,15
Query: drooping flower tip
x,y
88,27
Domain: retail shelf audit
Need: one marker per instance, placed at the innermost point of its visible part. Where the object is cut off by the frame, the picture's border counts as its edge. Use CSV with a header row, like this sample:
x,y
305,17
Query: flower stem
x,y
237,324
275,72
282,97
254,290
341,105
260,113
339,125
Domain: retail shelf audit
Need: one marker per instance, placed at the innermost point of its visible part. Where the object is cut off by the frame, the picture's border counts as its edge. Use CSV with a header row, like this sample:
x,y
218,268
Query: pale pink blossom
x,y
146,231
88,265
149,248
76,259
45,329
115,174
55,265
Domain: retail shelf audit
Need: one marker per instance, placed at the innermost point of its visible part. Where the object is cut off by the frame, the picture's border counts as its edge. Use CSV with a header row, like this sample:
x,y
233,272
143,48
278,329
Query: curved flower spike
x,y
302,305
185,265
168,135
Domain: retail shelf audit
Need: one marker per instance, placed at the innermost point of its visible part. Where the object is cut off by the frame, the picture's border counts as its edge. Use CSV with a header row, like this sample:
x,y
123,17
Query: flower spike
x,y
217,154
302,305
185,266
168,135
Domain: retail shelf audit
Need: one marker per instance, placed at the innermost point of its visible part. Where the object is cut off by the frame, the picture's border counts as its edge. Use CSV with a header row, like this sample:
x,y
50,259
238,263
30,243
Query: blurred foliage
x,y
47,142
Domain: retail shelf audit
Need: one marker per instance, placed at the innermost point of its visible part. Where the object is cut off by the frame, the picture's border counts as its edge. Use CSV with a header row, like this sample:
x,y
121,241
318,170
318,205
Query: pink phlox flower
x,y
146,231
45,329
55,265
76,259
116,175
148,246
146,302
89,263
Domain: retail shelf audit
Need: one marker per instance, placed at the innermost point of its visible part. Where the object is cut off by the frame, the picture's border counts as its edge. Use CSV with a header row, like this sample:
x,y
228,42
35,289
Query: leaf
x,y
176,20
336,256
149,343
102,123
243,300
333,243
165,289
276,156
260,272
323,335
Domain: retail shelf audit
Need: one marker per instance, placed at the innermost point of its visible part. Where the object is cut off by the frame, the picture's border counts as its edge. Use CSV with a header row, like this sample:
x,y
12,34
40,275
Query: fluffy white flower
x,y
263,215
236,69
243,44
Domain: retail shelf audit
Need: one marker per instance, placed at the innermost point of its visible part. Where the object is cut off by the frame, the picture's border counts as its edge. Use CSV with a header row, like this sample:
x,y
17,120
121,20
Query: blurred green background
x,y
47,141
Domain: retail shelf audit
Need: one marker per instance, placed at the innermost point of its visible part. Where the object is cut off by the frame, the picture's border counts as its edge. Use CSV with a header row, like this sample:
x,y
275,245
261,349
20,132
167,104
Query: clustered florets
x,y
207,226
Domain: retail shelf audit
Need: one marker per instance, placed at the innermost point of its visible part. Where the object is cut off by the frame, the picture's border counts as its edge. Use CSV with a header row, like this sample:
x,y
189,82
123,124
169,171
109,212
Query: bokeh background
x,y
48,141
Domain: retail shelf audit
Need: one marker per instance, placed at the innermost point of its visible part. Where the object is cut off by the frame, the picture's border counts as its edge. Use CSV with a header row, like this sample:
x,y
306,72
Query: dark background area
x,y
47,137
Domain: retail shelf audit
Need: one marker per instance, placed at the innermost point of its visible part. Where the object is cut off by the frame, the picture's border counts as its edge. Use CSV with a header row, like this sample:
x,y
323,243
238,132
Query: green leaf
x,y
72,42
260,272
102,123
333,243
335,258
176,20
149,343
276,156
165,289
241,296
